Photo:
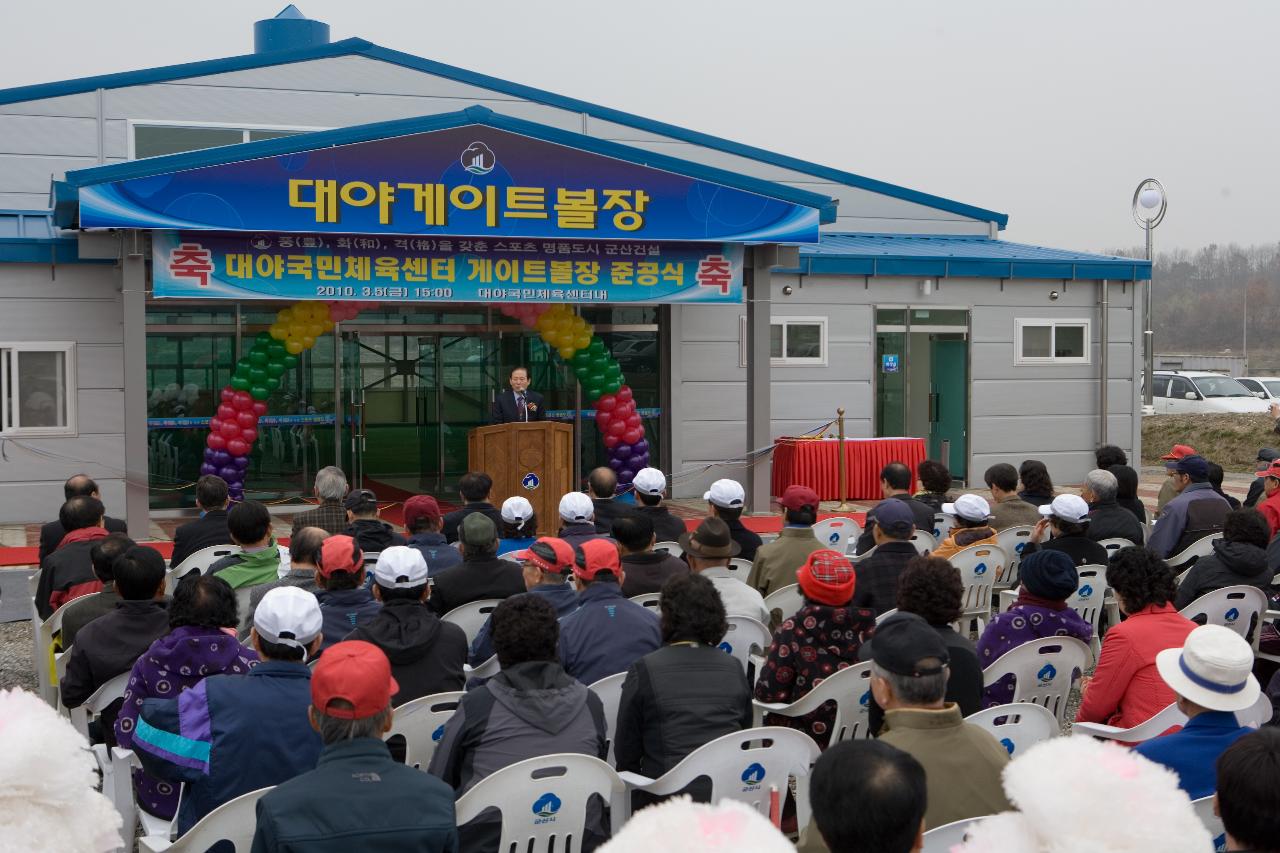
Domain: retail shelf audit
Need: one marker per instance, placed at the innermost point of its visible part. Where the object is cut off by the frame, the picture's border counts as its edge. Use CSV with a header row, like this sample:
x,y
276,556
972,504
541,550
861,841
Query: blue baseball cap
x,y
1195,467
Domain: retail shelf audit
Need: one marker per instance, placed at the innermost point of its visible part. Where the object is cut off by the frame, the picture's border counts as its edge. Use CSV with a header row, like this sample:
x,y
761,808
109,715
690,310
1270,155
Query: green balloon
x,y
592,393
263,339
275,368
582,373
614,369
272,383
600,362
290,361
257,374
259,392
257,357
596,347
612,386
276,351
240,383
581,358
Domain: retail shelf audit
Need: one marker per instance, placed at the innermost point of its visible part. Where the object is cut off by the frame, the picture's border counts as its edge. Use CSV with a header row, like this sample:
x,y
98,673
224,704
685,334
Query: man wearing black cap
x,y
1197,511
877,585
962,762
1266,455
371,533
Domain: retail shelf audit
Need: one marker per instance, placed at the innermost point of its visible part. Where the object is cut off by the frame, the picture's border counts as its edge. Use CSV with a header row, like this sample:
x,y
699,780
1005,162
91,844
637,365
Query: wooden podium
x,y
533,460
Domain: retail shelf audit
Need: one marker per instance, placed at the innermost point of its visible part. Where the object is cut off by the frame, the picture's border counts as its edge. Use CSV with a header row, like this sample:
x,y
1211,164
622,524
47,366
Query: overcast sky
x,y
1051,112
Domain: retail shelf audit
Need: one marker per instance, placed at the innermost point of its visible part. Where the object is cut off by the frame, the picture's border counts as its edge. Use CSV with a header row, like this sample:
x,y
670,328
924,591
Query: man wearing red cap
x,y
357,797
345,602
608,632
1168,489
1270,507
776,563
424,522
547,563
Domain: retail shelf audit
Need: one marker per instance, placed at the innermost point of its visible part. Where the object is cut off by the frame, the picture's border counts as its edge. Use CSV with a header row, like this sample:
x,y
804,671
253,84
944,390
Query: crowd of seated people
x,y
295,682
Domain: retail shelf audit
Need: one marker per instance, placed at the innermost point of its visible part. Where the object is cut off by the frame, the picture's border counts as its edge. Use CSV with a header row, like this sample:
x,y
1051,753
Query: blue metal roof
x,y
360,47
947,256
29,236
65,191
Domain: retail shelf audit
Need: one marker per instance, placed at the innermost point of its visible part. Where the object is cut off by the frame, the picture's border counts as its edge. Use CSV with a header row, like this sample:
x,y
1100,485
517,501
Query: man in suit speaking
x,y
519,405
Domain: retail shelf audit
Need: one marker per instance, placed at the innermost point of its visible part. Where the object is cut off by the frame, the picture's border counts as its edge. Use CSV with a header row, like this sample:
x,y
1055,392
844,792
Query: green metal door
x,y
949,401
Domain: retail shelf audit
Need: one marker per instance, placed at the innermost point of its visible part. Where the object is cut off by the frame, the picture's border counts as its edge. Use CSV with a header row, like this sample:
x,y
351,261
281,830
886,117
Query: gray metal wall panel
x,y
1034,433
33,174
1066,467
80,104
82,321
48,135
100,366
38,501
1019,396
100,411
23,201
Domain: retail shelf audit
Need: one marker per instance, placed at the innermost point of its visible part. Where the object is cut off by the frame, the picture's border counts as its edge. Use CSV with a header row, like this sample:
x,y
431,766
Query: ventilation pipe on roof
x,y
289,30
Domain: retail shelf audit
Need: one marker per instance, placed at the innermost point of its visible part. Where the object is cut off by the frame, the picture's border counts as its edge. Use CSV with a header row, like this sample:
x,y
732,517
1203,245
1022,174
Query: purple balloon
x,y
206,469
236,491
241,462
622,451
230,473
625,476
640,446
221,458
208,454
616,463
641,461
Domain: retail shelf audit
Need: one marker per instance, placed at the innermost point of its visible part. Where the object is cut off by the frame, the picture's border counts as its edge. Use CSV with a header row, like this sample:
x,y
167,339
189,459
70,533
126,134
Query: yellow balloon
x,y
315,330
566,352
293,347
278,332
308,342
327,326
285,317
544,322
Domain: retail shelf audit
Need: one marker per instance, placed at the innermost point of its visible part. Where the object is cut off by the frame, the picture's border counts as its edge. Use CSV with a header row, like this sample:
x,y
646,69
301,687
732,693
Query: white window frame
x,y
1021,323
245,129
785,320
10,422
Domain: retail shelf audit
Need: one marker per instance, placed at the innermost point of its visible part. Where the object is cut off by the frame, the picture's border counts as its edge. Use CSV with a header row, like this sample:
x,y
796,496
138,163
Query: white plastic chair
x,y
672,548
789,599
942,524
200,561
1089,600
979,567
43,657
651,600
488,669
1233,607
943,838
744,636
471,616
1258,714
858,558
98,702
836,533
1146,730
1017,727
1202,547
544,800
924,541
1044,671
609,691
1204,810
234,821
849,688
1114,544
885,615
739,568
1012,541
742,766
421,724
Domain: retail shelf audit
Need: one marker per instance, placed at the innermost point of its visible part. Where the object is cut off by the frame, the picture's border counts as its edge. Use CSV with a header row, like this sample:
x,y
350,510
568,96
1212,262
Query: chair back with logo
x,y
1088,601
234,822
849,688
421,724
836,533
942,524
651,600
1012,541
924,541
1044,671
947,836
1017,727
1204,810
744,636
1234,607
787,601
544,801
979,567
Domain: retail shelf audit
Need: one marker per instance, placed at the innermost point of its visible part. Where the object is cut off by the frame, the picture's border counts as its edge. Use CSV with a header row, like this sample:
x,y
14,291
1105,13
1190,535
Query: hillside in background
x,y
1203,299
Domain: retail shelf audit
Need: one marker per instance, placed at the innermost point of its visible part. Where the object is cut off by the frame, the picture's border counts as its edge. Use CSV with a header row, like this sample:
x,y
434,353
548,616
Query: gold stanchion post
x,y
843,477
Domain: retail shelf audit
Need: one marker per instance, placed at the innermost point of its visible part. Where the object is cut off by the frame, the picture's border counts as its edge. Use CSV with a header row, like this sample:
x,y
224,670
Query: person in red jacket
x,y
1126,688
1270,506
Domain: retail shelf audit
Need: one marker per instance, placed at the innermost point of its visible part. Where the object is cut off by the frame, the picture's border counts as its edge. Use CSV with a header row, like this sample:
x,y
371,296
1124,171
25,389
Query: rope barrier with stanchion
x,y
843,479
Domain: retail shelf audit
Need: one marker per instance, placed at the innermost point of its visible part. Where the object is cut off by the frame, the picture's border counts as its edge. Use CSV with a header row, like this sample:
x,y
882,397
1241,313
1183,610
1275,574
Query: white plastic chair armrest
x,y
1096,730
634,780
759,709
153,844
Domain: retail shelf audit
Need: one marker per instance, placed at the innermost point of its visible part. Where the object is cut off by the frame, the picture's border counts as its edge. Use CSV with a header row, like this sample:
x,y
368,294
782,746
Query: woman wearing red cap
x,y
822,638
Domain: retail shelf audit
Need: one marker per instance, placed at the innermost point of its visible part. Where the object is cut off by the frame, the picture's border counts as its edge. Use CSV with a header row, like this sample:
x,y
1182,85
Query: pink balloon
x,y
528,321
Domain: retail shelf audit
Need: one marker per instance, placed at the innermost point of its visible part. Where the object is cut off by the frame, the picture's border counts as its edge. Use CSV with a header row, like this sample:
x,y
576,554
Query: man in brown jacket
x,y
1008,509
776,563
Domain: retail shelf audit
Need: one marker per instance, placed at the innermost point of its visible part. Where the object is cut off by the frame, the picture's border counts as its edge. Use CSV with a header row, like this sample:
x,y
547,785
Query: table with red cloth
x,y
813,463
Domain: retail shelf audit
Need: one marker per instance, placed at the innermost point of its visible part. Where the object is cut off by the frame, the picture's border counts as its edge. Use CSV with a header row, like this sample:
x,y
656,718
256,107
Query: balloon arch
x,y
234,428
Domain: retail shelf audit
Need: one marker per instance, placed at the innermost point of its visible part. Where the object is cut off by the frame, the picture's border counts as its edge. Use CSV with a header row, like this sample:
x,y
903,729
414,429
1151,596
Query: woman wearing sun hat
x,y
972,527
822,638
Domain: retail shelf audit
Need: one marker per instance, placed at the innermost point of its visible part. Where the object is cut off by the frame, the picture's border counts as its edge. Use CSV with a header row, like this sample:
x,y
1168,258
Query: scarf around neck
x,y
1029,599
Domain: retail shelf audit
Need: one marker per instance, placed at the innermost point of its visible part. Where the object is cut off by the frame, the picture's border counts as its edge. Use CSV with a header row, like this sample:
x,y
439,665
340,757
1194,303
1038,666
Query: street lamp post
x,y
1149,203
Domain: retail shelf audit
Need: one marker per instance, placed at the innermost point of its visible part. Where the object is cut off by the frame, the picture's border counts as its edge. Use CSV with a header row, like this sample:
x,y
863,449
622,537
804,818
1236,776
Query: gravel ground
x,y
15,656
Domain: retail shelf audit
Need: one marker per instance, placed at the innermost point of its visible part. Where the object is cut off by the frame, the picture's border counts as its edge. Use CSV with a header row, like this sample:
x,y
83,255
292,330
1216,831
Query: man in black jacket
x,y
109,645
70,564
103,555
1107,519
356,791
372,533
473,488
725,501
210,528
519,405
602,484
645,569
426,654
896,480
77,487
1239,558
649,484
876,587
481,575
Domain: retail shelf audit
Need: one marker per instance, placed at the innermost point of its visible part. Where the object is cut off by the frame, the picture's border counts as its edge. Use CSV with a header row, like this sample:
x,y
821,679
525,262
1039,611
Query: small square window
x,y
793,341
1037,341
1051,342
37,389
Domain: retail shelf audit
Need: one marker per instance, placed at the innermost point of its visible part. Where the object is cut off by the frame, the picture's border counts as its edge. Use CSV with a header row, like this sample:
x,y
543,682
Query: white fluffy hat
x,y
680,825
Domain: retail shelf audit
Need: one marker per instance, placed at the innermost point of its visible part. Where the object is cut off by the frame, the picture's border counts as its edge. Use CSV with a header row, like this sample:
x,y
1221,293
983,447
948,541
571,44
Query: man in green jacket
x,y
258,562
776,563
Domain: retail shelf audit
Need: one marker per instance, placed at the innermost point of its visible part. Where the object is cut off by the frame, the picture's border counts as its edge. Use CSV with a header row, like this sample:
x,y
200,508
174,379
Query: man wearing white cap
x,y
231,734
1212,676
426,653
578,514
650,483
725,499
1066,520
519,525
972,516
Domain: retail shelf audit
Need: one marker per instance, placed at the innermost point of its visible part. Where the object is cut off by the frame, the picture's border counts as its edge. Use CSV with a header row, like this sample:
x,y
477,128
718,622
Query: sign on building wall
x,y
470,181
346,267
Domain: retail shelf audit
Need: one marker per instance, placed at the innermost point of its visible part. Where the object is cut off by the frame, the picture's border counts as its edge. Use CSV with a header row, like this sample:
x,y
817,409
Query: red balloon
x,y
248,436
624,394
228,394
603,419
230,430
215,425
606,403
216,442
259,408
247,420
632,436
610,441
633,421
617,428
242,401
226,413
237,447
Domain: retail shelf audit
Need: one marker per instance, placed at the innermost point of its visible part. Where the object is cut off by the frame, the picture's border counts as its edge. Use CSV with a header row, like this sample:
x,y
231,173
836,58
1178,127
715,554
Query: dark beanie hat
x,y
1049,574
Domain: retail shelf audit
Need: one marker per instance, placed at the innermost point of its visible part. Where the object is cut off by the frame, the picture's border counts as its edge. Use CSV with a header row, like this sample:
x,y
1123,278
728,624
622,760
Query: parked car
x,y
1195,392
1263,387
